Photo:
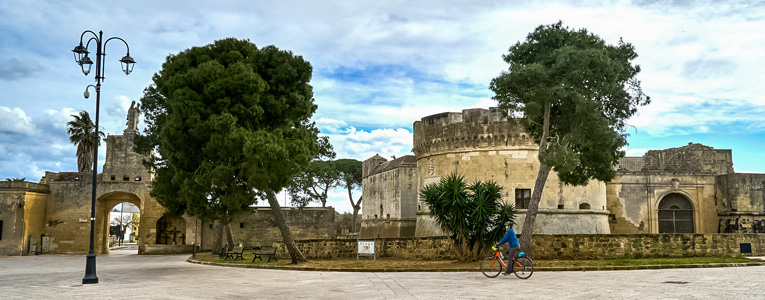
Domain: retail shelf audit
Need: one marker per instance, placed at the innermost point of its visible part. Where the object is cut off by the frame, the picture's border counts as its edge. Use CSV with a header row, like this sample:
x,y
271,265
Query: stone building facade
x,y
690,189
390,197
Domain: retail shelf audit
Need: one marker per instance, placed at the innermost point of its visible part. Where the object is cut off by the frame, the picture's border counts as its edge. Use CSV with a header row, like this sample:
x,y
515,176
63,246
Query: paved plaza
x,y
126,275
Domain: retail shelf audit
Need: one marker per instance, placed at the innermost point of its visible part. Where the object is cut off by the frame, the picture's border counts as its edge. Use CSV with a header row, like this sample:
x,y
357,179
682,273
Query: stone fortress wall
x,y
689,189
480,144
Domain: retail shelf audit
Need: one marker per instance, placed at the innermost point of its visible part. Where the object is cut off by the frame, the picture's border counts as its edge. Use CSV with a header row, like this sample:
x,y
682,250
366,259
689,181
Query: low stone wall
x,y
167,249
572,246
593,246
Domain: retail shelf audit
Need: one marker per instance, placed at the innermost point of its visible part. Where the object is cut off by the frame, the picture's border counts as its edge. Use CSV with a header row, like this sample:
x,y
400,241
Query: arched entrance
x,y
105,219
675,214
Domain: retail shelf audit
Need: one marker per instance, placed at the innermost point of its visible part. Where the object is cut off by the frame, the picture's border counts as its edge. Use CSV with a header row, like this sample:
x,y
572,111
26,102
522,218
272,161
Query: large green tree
x,y
472,215
80,132
314,183
572,93
350,179
230,123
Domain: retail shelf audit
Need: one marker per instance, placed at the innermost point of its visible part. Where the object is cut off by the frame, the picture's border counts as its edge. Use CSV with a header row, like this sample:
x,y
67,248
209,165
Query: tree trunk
x,y
356,207
229,236
531,213
217,237
354,218
276,210
476,253
539,185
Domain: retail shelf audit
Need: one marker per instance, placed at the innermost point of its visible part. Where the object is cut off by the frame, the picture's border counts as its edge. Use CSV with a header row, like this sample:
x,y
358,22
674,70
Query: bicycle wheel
x,y
491,267
526,268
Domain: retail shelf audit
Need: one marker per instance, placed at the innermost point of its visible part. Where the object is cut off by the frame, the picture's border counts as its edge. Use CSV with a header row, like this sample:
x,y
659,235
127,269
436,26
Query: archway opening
x,y
118,215
123,227
675,214
171,230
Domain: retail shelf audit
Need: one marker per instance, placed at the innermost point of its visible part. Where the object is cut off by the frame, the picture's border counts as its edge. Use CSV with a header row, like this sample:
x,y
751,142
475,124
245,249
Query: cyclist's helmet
x,y
509,223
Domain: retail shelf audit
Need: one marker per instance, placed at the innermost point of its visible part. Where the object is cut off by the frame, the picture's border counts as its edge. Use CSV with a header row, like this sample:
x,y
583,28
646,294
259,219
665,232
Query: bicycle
x,y
492,265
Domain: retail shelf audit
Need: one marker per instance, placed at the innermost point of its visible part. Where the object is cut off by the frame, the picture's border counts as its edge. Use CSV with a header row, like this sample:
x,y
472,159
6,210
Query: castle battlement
x,y
470,129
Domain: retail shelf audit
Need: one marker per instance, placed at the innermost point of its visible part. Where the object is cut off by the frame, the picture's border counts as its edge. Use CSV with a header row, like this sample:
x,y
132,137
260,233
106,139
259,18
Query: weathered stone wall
x,y
642,182
741,203
577,246
122,163
390,197
22,207
690,159
259,228
481,145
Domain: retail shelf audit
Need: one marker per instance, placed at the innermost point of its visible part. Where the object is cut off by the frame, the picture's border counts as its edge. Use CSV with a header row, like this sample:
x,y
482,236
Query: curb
x,y
537,269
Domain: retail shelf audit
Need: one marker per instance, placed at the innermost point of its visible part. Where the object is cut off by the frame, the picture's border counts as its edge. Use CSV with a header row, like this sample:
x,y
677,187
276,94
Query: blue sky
x,y
379,66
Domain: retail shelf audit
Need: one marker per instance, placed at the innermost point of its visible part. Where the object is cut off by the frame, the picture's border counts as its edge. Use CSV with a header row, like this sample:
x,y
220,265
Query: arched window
x,y
675,214
584,206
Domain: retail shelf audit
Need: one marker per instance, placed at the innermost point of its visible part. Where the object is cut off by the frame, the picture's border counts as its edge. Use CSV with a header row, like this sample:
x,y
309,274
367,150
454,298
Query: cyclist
x,y
512,240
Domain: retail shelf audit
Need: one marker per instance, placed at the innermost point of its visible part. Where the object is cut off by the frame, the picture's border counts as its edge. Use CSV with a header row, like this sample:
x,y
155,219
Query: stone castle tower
x,y
480,145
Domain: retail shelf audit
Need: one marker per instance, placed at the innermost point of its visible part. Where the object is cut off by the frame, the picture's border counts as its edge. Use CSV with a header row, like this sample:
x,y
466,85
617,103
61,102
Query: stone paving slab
x,y
124,275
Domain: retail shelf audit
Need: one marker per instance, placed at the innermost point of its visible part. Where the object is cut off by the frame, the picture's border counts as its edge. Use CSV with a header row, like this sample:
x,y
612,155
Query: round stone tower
x,y
480,144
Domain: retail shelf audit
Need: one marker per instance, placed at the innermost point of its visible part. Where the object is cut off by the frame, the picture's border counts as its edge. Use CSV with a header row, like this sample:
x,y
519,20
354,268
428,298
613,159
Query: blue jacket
x,y
510,238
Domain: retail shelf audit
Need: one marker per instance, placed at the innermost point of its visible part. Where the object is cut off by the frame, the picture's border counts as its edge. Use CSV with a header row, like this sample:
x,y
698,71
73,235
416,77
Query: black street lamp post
x,y
82,59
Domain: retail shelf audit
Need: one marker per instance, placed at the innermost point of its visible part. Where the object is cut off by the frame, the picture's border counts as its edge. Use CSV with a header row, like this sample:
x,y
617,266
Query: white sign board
x,y
366,247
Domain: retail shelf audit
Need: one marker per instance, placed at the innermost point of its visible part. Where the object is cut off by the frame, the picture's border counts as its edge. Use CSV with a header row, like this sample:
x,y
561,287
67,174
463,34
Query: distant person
x,y
512,240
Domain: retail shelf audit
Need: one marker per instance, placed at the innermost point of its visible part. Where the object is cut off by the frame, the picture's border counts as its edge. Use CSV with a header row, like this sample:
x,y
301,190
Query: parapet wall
x,y
690,159
562,246
473,128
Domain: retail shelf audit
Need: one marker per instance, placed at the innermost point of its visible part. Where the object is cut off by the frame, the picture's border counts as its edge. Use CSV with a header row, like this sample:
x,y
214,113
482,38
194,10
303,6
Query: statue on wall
x,y
132,116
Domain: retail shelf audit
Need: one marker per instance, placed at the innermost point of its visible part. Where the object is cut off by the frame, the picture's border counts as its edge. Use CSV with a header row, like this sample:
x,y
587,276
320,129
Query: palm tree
x,y
472,215
80,132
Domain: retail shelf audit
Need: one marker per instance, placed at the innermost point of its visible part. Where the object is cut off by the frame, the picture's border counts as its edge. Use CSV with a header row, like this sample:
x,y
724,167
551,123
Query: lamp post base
x,y
90,269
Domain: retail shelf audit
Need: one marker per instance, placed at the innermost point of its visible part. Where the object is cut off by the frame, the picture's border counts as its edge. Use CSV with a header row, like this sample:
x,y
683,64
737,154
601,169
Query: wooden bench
x,y
235,254
269,252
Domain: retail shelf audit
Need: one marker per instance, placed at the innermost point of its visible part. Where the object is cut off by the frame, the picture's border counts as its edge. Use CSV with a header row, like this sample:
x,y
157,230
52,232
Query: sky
x,y
378,66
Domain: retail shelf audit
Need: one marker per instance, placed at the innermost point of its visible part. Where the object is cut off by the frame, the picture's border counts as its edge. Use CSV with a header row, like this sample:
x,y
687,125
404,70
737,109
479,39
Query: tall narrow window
x,y
1,230
522,198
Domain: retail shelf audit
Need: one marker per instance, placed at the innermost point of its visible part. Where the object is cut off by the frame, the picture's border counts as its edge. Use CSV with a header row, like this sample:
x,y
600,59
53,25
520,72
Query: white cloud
x,y
636,152
330,125
59,118
360,144
380,66
15,121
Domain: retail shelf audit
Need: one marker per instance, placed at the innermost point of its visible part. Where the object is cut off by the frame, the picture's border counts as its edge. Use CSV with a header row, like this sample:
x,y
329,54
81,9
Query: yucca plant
x,y
473,215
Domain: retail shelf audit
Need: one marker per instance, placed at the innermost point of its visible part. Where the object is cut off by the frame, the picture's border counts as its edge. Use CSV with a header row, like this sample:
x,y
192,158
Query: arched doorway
x,y
108,208
675,214
171,230
123,226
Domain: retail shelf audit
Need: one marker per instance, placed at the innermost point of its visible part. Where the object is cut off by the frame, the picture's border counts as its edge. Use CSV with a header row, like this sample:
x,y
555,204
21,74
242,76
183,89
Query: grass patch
x,y
386,263
643,261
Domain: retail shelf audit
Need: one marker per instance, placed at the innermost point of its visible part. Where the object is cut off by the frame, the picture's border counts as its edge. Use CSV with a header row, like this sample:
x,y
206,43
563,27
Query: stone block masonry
x,y
570,246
